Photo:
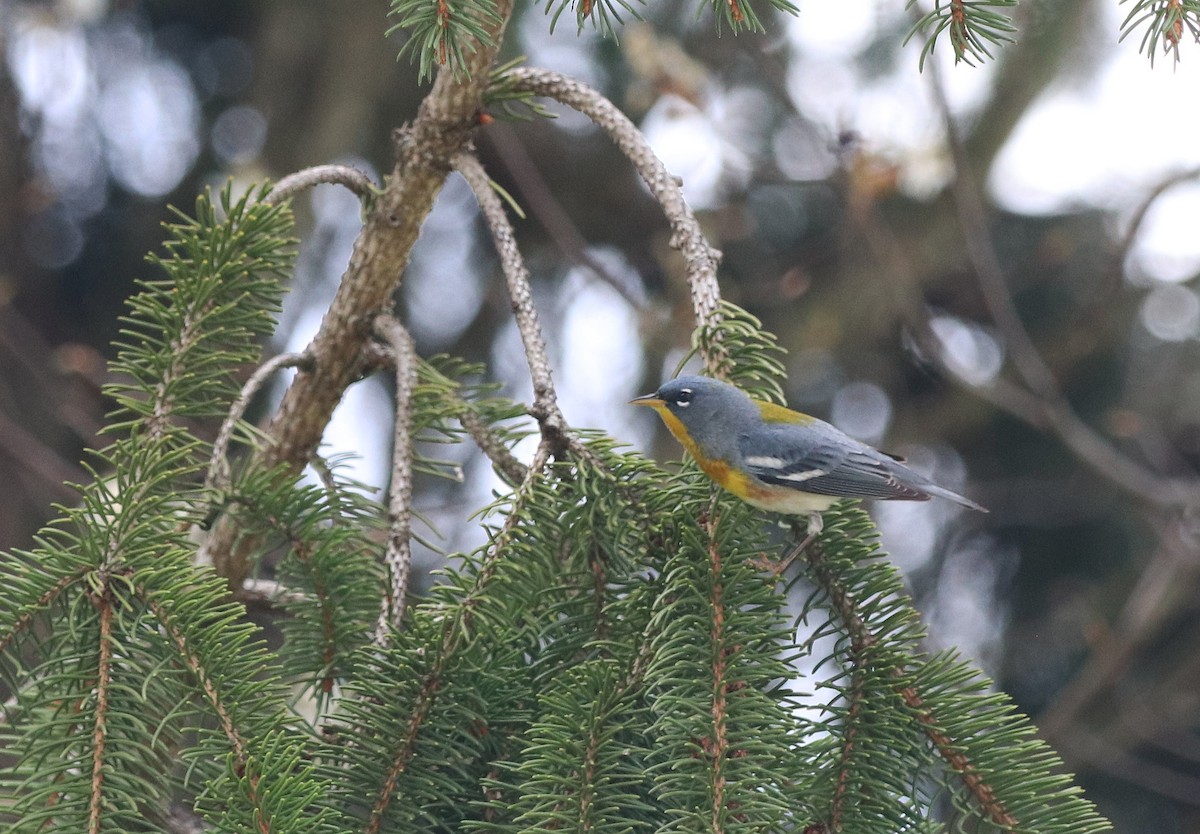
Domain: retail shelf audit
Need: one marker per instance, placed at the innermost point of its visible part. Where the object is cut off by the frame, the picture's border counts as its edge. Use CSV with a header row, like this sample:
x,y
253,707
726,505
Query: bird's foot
x,y
813,529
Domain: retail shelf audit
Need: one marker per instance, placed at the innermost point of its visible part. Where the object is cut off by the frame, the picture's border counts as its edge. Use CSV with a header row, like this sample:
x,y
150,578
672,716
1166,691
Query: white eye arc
x,y
685,398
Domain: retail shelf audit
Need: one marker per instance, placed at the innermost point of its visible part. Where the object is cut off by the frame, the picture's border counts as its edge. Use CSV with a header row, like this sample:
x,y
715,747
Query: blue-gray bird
x,y
778,459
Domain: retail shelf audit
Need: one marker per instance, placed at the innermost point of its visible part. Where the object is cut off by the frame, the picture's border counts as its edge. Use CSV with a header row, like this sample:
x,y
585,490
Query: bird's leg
x,y
815,525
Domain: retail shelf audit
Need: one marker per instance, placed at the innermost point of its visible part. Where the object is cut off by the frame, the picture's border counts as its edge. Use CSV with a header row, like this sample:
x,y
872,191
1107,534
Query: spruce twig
x,y
453,633
862,638
25,620
103,600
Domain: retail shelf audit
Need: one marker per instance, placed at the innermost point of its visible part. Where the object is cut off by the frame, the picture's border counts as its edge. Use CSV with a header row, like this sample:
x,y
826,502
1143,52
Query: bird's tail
x,y
942,492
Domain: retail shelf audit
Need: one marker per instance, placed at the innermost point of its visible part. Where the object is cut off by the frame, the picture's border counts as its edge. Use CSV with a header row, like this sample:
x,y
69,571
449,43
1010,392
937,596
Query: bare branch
x,y
487,441
293,184
398,555
549,211
1164,585
218,467
1056,411
992,281
545,401
701,259
1143,209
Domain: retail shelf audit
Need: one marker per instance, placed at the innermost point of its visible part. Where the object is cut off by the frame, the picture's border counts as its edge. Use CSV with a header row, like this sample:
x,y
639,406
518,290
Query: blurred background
x,y
817,157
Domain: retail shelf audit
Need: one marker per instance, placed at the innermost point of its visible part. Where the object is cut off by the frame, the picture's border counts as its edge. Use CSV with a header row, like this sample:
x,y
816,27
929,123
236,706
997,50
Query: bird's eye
x,y
684,397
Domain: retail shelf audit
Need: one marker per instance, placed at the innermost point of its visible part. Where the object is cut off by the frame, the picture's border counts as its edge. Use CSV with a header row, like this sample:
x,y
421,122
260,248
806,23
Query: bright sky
x,y
1102,141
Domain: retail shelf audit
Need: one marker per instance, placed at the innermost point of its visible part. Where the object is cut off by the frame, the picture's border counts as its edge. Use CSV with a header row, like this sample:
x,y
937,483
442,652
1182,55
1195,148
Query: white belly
x,y
790,501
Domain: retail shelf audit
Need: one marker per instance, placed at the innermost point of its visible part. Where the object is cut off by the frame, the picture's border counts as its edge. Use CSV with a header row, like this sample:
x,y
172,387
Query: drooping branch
x,y
398,555
686,235
486,439
218,466
504,460
293,184
545,401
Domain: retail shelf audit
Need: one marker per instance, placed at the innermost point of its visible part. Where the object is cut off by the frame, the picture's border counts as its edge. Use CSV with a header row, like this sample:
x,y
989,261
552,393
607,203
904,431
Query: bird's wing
x,y
810,460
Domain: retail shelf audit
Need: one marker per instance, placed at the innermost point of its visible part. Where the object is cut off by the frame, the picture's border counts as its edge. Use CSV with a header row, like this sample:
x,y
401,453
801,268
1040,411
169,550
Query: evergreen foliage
x,y
1164,23
969,25
614,659
439,30
617,657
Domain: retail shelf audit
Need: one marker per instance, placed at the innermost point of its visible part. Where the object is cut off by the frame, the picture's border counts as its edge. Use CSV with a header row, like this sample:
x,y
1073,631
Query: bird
x,y
781,460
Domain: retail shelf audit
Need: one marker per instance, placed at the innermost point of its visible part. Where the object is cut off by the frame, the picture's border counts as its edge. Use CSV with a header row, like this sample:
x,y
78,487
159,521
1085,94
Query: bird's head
x,y
705,407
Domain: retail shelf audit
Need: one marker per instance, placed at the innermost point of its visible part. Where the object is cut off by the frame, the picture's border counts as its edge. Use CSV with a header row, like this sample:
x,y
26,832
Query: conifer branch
x,y
599,589
686,235
190,334
193,664
398,555
850,729
971,25
239,744
718,749
453,631
430,687
862,637
104,602
325,474
43,602
500,456
303,550
587,787
294,183
1165,22
545,402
